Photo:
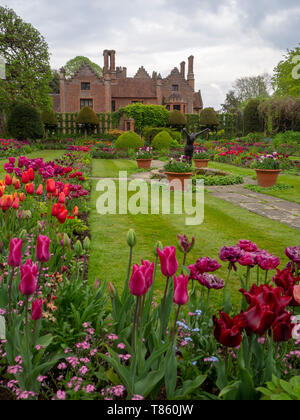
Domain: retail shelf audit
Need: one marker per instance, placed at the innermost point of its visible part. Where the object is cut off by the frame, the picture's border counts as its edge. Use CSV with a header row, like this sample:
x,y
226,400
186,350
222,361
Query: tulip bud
x,y
131,238
158,245
97,284
87,244
111,290
78,248
23,234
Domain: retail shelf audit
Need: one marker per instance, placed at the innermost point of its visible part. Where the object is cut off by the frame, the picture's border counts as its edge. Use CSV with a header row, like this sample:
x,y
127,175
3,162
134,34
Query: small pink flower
x,y
61,395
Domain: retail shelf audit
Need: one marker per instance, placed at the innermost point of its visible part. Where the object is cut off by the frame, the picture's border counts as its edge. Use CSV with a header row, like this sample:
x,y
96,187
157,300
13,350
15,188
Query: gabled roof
x,y
142,74
198,102
84,68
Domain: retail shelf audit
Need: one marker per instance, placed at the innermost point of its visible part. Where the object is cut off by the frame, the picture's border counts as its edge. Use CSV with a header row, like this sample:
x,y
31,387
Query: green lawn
x,y
224,224
291,180
110,168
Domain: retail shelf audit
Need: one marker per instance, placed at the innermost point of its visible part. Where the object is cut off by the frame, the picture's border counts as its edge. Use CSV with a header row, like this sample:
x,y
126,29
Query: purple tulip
x,y
29,272
293,253
42,249
185,245
15,252
231,254
247,246
267,261
168,261
203,265
248,259
211,281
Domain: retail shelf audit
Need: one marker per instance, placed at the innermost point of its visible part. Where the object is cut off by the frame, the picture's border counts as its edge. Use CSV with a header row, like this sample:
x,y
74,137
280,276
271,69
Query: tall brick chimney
x,y
113,72
105,67
182,69
191,76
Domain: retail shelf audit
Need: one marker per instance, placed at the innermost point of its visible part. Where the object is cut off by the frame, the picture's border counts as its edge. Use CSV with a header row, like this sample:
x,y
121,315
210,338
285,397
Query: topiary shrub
x,y
50,120
209,119
177,119
25,122
252,120
162,141
129,141
88,118
150,132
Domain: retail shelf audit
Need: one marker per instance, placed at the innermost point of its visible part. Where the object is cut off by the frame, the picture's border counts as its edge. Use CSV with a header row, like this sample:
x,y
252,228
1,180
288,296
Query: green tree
x,y
25,122
26,54
75,63
252,119
88,119
55,82
247,88
209,119
286,79
232,103
177,119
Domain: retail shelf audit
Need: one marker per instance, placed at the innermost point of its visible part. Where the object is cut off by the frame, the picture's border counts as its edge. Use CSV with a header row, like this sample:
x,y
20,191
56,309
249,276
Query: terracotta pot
x,y
144,163
201,163
180,176
267,177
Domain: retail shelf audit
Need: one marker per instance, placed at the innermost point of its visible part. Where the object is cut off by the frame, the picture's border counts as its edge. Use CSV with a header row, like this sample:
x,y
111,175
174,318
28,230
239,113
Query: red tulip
x,y
62,198
287,282
51,187
228,331
31,174
62,215
168,261
15,252
8,180
17,184
37,311
40,190
296,294
181,295
42,249
29,272
29,188
282,328
16,204
25,177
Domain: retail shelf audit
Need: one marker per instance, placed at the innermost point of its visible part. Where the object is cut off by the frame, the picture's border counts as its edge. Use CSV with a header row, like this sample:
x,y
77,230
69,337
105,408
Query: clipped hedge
x,y
150,132
129,141
177,119
25,122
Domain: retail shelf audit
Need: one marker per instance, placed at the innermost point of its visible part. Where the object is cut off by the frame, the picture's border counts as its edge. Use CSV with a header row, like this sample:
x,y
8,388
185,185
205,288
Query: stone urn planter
x,y
201,163
267,177
181,177
144,163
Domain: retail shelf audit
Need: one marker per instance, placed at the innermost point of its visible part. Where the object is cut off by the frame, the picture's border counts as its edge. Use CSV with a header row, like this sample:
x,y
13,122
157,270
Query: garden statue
x,y
189,147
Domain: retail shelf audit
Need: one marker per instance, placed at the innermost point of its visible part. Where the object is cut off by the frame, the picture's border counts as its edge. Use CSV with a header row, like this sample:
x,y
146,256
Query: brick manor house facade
x,y
114,89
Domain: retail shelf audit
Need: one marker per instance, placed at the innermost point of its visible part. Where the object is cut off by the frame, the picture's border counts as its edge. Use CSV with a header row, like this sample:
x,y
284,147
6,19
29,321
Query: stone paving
x,y
273,208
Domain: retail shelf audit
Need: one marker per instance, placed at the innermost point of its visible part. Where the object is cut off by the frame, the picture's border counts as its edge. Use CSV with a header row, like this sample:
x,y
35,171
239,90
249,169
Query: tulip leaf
x,y
171,374
189,386
45,341
2,328
148,383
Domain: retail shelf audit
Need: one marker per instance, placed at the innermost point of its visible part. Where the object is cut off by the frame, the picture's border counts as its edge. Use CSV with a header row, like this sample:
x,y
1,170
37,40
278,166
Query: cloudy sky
x,y
229,38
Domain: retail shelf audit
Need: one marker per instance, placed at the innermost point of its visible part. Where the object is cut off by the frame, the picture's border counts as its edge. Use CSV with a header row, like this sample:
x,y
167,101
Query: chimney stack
x,y
182,69
191,76
112,60
105,68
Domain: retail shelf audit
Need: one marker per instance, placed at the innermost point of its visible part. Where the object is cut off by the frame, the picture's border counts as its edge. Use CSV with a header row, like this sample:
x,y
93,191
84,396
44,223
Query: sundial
x,y
2,68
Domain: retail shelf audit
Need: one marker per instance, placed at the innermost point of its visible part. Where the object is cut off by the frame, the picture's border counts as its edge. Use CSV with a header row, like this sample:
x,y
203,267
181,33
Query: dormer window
x,y
175,88
85,86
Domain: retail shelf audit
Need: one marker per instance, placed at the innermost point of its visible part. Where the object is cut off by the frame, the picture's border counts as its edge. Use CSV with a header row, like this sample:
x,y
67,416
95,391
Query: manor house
x,y
114,89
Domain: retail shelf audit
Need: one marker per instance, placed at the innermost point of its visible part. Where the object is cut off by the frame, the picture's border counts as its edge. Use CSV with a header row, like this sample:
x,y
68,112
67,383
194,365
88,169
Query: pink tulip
x,y
29,272
181,295
138,281
15,254
149,272
37,311
42,249
296,293
168,261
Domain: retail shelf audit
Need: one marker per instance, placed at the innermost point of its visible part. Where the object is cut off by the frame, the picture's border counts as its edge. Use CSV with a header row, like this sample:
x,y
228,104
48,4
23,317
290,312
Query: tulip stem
x,y
10,292
164,299
134,331
184,262
173,335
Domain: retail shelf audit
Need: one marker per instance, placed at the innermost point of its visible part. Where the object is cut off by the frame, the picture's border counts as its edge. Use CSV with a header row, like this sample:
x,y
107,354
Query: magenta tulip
x,y
149,272
29,272
168,261
15,252
42,249
181,295
37,311
138,282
